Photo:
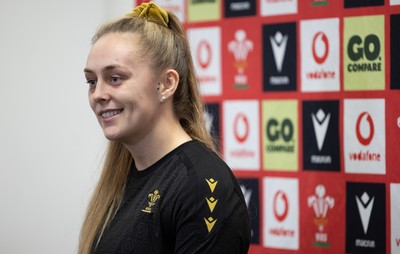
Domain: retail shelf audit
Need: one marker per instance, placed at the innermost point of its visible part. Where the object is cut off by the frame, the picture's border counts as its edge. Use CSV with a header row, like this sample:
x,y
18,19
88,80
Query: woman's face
x,y
122,88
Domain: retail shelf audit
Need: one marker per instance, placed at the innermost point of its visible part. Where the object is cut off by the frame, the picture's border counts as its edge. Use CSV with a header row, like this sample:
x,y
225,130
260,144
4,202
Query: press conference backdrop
x,y
304,97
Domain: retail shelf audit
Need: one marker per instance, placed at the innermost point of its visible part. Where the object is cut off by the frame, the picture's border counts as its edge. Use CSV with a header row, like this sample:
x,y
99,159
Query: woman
x,y
163,189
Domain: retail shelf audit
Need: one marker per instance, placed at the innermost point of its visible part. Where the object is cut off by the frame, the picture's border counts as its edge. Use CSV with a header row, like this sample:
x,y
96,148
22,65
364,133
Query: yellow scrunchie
x,y
152,12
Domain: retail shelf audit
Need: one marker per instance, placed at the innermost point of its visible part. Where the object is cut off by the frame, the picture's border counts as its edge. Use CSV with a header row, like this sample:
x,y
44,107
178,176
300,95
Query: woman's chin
x,y
112,136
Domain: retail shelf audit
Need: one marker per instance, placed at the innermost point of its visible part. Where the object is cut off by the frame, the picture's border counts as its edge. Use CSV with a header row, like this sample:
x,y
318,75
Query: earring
x,y
162,98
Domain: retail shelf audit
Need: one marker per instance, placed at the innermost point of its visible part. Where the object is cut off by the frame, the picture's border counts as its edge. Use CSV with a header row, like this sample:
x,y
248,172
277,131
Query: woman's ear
x,y
169,84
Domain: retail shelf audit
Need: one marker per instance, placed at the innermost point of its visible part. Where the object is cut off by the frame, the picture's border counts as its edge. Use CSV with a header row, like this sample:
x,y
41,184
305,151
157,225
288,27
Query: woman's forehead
x,y
117,48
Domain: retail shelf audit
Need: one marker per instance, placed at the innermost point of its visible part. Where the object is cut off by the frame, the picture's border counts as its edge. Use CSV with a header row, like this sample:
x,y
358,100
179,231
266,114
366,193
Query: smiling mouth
x,y
108,114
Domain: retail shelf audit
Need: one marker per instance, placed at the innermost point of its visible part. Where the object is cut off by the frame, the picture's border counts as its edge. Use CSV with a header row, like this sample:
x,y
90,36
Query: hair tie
x,y
152,12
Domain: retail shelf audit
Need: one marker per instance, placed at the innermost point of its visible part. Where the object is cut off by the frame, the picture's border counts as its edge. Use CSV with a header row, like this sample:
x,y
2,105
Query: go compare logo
x,y
364,53
280,150
369,49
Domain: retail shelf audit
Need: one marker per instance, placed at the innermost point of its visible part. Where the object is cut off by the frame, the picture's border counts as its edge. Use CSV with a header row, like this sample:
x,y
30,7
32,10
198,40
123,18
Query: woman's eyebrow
x,y
105,69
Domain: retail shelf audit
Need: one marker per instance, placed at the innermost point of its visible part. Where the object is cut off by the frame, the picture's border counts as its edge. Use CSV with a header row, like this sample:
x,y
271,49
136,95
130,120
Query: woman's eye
x,y
91,82
115,80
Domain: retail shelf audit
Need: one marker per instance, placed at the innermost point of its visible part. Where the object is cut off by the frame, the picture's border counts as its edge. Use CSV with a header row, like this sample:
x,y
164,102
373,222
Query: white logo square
x,y
241,134
278,7
281,213
395,217
320,55
364,136
177,7
394,2
205,45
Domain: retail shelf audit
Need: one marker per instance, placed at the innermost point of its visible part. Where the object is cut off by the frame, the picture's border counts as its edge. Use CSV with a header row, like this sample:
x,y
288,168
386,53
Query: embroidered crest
x,y
153,198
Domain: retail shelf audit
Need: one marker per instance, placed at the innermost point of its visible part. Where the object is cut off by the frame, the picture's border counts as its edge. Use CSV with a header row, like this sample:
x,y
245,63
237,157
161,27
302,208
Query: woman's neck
x,y
157,144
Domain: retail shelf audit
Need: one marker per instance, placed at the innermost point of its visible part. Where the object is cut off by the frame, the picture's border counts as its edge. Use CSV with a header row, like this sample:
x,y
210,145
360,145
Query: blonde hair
x,y
166,47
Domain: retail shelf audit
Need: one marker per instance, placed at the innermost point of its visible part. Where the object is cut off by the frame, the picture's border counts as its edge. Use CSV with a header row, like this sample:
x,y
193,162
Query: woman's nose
x,y
101,92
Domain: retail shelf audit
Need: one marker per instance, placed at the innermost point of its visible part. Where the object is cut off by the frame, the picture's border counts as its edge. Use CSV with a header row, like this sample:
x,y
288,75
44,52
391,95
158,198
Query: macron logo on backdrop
x,y
365,206
279,43
320,122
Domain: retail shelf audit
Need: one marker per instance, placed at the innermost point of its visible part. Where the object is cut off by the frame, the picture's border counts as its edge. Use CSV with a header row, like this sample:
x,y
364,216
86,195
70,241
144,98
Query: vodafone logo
x,y
365,151
320,66
241,127
281,206
203,53
240,123
281,225
320,47
365,119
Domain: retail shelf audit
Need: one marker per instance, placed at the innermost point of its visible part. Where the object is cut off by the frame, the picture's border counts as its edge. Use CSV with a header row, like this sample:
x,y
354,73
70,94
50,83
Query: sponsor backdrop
x,y
304,99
